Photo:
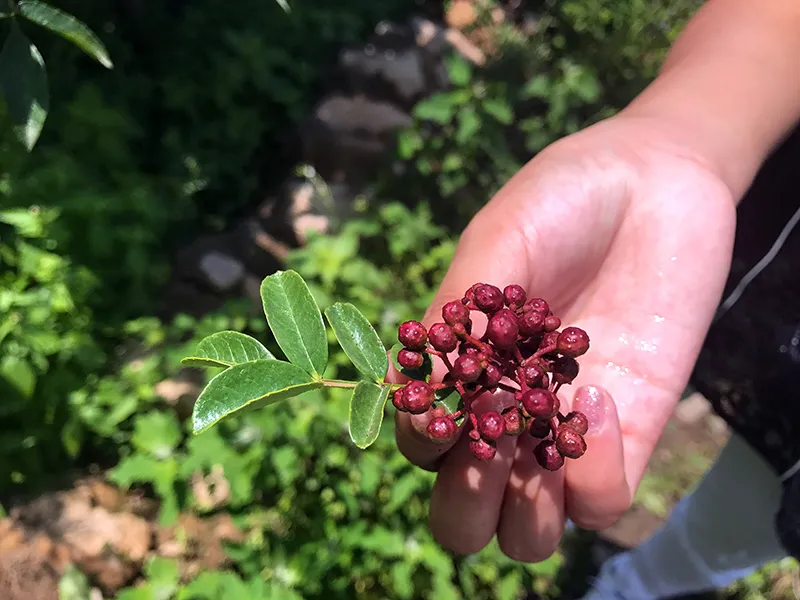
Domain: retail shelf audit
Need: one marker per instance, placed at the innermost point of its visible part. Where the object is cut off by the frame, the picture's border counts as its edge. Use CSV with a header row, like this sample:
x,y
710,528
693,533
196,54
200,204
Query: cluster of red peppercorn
x,y
522,352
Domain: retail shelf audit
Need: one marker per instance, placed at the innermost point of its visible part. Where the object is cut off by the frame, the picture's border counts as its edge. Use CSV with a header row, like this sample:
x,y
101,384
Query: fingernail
x,y
592,401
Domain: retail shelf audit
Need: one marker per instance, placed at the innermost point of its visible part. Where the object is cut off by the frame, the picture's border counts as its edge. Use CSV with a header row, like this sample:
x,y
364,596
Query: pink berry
x,y
442,337
503,329
455,312
412,335
491,425
573,342
469,295
570,443
513,421
539,429
548,456
491,376
409,359
535,376
540,403
514,295
537,304
482,450
531,323
467,368
418,397
488,298
441,429
397,400
565,369
577,421
551,323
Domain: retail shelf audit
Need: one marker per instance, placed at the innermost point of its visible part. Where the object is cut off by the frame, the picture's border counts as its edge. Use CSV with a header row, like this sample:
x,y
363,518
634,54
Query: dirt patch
x,y
107,534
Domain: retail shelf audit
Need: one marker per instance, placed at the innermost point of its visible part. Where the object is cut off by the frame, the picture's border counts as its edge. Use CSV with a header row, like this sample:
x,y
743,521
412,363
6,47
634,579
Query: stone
x,y
222,270
693,409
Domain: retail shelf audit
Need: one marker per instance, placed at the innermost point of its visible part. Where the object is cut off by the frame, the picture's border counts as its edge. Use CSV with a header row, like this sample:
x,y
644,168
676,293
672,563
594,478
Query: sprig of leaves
x,y
253,378
24,93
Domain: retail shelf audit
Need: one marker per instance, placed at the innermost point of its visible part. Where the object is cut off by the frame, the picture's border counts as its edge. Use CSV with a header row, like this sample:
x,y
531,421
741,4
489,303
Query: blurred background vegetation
x,y
195,131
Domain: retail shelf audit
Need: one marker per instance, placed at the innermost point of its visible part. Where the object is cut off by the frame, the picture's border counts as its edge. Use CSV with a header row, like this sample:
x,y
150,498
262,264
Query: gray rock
x,y
222,270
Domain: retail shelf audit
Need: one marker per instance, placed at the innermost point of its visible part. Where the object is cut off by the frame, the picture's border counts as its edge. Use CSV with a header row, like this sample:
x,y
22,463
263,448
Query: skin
x,y
627,229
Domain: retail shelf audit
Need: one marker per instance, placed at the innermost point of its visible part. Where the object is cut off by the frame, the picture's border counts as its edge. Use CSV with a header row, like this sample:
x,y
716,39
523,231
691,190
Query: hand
x,y
629,236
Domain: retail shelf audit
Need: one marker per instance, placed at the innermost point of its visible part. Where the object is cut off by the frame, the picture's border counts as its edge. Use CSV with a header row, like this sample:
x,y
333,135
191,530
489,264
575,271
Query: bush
x,y
183,136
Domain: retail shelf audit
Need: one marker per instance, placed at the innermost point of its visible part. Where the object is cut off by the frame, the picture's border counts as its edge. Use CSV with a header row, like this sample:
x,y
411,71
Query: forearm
x,y
731,84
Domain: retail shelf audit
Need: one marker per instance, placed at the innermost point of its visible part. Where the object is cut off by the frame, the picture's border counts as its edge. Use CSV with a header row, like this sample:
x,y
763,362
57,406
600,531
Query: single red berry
x,y
455,312
548,456
565,369
409,359
514,295
551,323
442,337
469,295
488,298
441,429
577,421
573,342
412,335
482,449
535,376
570,443
513,421
418,396
491,425
467,368
531,323
540,403
397,400
491,376
503,329
539,429
537,304
467,348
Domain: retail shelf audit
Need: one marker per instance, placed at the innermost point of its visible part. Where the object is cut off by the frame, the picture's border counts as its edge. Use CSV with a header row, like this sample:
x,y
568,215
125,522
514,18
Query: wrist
x,y
729,89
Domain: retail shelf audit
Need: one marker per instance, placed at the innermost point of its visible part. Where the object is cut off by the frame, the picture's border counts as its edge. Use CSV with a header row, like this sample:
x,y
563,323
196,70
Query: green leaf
x,y
450,399
366,412
225,349
19,373
23,85
295,321
538,87
468,125
252,384
67,27
459,70
586,86
499,109
438,108
422,373
157,433
284,5
358,340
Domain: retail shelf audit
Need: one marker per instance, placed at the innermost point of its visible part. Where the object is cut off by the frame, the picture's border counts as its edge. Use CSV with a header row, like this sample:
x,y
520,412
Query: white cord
x,y
733,298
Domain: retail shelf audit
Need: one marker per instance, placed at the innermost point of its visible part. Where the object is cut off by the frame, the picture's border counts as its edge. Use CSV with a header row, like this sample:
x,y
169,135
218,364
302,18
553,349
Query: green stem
x,y
340,383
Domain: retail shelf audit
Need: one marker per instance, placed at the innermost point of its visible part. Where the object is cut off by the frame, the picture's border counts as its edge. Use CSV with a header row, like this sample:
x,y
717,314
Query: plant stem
x,y
340,383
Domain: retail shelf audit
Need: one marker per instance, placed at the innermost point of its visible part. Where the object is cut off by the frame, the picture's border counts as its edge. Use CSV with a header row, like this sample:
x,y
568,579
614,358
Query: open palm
x,y
628,237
